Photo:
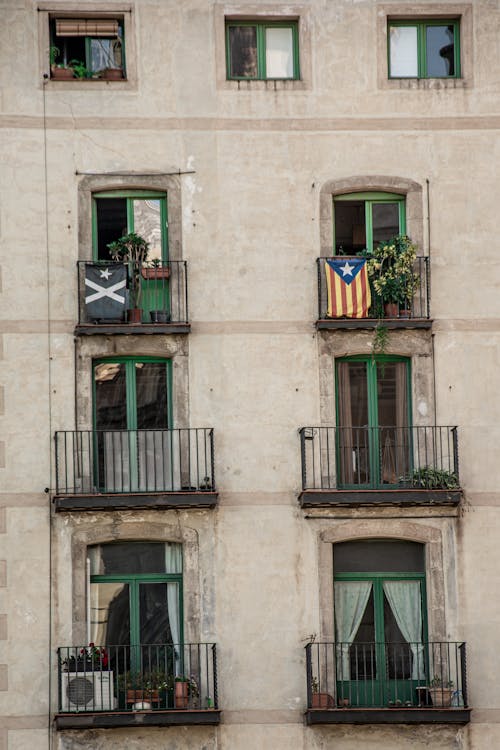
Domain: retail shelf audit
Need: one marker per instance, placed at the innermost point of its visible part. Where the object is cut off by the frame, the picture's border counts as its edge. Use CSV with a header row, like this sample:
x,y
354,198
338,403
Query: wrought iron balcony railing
x,y
110,292
137,678
135,461
418,307
386,675
423,458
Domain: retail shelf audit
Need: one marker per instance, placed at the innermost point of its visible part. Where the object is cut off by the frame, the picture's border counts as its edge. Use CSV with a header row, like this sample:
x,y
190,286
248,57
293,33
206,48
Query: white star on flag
x,y
105,273
347,269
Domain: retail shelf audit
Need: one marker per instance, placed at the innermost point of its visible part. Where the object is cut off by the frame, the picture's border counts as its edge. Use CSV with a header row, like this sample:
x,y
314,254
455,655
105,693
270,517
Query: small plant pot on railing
x,y
155,272
440,696
181,694
159,316
322,700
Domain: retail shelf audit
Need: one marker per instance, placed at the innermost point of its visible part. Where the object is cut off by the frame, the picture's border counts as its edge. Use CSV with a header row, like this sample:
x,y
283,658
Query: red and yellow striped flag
x,y
348,288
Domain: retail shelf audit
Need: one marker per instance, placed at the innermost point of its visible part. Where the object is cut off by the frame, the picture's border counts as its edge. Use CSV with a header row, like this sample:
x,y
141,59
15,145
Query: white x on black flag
x,y
106,292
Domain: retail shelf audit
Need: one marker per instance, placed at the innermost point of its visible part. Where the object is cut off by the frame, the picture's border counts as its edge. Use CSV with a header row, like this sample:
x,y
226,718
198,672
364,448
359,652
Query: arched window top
x,y
373,219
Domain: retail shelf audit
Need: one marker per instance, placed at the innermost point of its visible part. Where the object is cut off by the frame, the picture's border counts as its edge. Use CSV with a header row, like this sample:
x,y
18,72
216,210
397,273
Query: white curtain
x,y
173,564
405,602
351,598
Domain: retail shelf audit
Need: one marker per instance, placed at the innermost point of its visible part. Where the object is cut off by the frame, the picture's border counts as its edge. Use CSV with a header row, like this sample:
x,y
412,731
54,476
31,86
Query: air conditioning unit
x,y
87,691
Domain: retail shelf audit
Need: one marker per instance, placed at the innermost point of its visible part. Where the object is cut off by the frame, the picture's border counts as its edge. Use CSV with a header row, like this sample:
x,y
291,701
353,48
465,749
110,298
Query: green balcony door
x,y
145,213
363,220
380,622
373,417
132,405
136,602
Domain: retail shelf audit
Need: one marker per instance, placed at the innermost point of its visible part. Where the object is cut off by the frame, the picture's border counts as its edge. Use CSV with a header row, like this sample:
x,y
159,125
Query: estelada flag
x,y
348,288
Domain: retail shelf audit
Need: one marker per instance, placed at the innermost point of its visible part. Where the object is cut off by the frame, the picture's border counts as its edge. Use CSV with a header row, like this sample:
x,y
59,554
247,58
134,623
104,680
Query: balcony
x,y
379,466
387,683
131,298
133,469
126,686
415,315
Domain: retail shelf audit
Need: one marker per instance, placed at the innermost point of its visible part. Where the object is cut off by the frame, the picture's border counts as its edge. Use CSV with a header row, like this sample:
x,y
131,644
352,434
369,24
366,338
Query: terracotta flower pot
x,y
441,697
61,74
322,700
181,694
162,272
134,315
391,309
112,74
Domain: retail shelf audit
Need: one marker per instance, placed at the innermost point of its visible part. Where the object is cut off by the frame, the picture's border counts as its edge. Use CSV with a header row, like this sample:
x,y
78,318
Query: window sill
x,y
425,84
269,84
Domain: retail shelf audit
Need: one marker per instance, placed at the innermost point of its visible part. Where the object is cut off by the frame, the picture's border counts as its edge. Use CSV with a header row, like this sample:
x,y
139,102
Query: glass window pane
x,y
147,224
350,231
158,605
385,220
279,53
440,49
379,555
243,51
110,614
111,223
110,396
403,51
123,558
151,395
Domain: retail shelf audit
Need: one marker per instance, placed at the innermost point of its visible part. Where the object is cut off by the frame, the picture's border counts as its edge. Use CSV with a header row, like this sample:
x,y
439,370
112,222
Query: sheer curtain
x,y
405,601
173,564
351,598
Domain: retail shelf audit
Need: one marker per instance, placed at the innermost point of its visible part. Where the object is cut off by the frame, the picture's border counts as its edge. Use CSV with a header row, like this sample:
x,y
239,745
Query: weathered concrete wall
x,y
249,217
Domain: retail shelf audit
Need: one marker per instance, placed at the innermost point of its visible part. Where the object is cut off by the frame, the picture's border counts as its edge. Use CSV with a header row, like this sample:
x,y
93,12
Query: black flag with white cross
x,y
106,293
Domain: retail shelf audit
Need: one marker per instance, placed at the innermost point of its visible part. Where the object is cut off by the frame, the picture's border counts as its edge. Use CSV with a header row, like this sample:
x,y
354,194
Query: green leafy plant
x,y
380,340
132,249
429,478
314,685
54,53
391,270
80,69
437,682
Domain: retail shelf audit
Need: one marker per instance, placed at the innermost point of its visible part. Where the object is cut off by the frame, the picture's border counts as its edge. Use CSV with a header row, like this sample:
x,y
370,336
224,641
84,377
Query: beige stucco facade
x,y
250,169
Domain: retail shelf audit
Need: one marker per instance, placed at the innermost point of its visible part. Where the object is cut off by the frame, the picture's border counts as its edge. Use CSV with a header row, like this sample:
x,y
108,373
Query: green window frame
x,y
130,196
261,28
133,582
370,200
376,434
83,53
423,46
130,380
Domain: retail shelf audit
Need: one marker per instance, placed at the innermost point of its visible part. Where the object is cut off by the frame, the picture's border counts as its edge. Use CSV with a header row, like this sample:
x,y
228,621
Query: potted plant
x,y
429,478
132,249
185,691
80,69
59,71
391,272
141,691
320,700
89,659
155,269
441,692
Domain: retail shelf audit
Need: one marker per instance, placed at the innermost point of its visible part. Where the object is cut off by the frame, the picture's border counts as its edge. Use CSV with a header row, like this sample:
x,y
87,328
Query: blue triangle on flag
x,y
347,268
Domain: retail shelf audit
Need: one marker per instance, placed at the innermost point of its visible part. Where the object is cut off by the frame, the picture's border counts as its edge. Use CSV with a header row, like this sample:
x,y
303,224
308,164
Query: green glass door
x,y
131,416
136,603
373,443
145,213
363,220
380,622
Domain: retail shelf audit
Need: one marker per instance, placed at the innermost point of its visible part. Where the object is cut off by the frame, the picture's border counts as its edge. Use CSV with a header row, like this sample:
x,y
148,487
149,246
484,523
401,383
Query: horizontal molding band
x,y
288,125
24,499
